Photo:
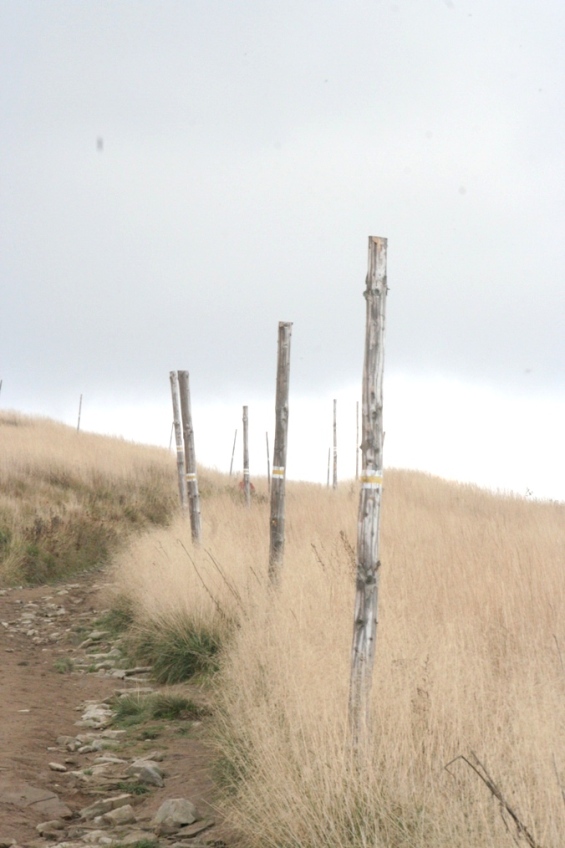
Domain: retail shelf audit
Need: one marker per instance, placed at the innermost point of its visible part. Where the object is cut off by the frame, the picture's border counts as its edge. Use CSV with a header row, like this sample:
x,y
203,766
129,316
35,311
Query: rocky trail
x,y
71,775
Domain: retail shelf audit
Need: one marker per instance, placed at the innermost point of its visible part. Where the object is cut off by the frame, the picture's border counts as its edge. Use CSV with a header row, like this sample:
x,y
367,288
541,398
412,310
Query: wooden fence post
x,y
268,462
177,426
368,564
357,440
334,484
79,413
276,550
190,458
246,482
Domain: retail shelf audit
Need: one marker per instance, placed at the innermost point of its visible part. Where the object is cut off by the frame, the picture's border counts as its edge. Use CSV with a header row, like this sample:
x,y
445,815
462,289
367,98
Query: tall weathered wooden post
x,y
190,458
177,427
246,482
368,564
276,550
334,484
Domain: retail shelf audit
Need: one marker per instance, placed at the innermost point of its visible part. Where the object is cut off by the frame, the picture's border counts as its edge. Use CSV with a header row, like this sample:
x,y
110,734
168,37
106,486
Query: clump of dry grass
x,y
469,659
68,499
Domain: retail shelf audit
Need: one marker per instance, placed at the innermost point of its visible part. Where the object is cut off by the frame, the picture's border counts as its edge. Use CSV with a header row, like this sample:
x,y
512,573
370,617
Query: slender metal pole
x,y
357,440
190,458
79,413
268,463
233,452
334,484
246,482
276,549
368,564
177,428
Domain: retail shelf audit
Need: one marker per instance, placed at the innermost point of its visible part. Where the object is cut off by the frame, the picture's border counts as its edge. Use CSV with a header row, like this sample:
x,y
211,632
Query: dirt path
x,y
44,687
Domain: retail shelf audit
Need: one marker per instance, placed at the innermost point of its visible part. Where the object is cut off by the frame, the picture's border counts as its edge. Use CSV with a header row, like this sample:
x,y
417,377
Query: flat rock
x,y
173,814
121,815
136,836
105,805
51,828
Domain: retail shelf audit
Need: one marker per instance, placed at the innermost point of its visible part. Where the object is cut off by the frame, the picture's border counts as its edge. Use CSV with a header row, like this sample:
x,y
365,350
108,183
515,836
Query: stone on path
x,y
174,814
41,800
121,815
105,805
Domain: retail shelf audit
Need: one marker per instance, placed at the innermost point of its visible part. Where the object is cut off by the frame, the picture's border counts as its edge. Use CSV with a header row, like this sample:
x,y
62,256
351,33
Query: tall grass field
x,y
470,663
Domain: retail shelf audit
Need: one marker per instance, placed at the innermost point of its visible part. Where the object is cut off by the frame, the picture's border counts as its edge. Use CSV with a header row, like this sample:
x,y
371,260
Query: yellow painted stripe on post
x,y
191,476
278,471
371,479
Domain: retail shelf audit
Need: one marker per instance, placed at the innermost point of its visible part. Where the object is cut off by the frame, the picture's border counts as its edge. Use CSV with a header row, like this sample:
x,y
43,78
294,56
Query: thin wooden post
x,y
334,483
276,550
268,463
233,452
79,413
357,440
190,458
177,427
246,482
368,564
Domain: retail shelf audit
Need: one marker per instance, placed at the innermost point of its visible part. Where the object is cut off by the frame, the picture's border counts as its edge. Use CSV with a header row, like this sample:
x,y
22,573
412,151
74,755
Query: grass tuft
x,y
137,709
178,649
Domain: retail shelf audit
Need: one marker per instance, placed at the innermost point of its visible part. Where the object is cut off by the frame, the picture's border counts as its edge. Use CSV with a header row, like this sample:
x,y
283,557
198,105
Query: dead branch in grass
x,y
480,770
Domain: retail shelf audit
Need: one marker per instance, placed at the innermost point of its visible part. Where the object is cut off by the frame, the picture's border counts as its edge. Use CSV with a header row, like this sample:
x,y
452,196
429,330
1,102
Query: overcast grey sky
x,y
179,175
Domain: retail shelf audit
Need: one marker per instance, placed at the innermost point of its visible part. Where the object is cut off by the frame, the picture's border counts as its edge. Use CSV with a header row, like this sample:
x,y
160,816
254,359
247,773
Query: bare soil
x,y
39,703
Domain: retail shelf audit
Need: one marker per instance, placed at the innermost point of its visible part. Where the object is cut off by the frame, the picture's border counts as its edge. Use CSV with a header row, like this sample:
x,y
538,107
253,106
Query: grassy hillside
x,y
470,650
470,659
68,500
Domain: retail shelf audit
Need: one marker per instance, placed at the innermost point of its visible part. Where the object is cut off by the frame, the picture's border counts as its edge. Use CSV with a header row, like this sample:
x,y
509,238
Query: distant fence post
x,y
276,550
246,482
190,458
368,564
177,426
357,440
334,484
268,462
79,413
233,452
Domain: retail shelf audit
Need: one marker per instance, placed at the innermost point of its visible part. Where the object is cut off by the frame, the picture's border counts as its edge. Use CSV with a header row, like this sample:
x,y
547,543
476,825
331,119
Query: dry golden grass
x,y
470,658
67,499
470,653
